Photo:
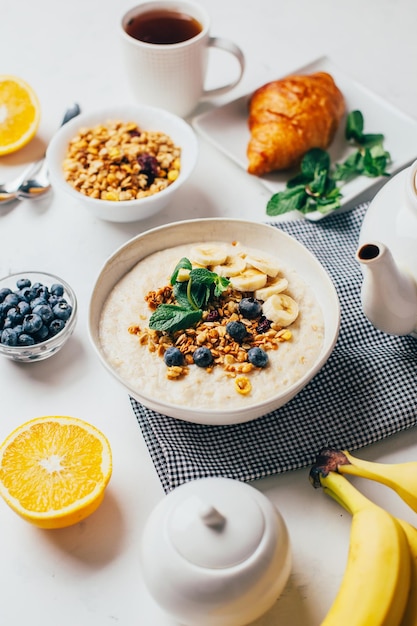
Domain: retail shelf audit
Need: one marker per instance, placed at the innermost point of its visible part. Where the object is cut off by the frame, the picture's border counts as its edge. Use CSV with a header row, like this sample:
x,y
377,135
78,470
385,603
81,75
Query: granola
x,y
119,161
211,333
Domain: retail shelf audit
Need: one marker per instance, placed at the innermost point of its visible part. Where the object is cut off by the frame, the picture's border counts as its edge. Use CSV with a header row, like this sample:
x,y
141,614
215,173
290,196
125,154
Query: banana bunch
x,y
379,586
250,271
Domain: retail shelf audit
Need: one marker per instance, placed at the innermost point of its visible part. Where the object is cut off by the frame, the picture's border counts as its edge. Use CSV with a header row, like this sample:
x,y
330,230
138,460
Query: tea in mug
x,y
163,27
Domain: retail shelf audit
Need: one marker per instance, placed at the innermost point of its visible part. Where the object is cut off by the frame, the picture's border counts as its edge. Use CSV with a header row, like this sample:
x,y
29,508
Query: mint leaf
x,y
375,161
314,162
369,140
181,295
198,294
347,170
221,283
288,200
183,263
170,318
354,126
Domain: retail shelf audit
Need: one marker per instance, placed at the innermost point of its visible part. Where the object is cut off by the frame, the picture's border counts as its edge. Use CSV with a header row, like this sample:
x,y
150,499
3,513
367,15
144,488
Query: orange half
x,y
20,114
54,470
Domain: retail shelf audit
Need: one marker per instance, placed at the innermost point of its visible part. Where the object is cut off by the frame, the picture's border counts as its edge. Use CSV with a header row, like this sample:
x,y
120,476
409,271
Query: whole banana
x,y
376,582
410,615
402,477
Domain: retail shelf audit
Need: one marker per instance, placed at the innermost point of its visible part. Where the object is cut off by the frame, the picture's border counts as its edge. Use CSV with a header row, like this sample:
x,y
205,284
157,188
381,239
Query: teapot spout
x,y
389,295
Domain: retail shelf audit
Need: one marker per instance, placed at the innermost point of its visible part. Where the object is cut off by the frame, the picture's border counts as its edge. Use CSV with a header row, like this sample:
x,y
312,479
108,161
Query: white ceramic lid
x,y
215,522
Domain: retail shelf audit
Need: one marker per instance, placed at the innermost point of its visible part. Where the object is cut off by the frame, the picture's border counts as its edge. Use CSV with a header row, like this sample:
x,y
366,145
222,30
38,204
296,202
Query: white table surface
x,y
90,574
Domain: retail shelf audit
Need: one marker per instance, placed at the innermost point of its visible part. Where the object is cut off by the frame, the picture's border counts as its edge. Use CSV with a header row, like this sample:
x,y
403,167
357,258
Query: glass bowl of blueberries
x,y
38,312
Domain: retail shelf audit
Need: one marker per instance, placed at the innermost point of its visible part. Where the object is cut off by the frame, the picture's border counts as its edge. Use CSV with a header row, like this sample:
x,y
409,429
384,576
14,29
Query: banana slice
x,y
234,265
183,275
265,263
281,309
249,280
272,287
208,254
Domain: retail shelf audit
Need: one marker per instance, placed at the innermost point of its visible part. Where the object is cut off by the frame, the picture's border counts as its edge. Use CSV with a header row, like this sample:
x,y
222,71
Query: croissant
x,y
290,116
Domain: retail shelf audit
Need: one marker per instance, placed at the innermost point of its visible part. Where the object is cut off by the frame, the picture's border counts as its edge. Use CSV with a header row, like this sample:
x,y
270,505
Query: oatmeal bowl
x,y
123,163
213,321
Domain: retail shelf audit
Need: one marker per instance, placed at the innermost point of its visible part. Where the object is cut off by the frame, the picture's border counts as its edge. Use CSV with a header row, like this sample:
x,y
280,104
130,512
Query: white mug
x,y
172,75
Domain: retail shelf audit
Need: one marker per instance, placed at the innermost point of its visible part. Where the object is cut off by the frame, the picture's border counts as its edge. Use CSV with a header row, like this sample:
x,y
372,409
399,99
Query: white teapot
x,y
215,552
388,255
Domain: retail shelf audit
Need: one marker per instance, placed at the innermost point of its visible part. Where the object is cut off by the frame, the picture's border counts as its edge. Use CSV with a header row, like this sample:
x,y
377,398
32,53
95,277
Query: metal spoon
x,y
34,181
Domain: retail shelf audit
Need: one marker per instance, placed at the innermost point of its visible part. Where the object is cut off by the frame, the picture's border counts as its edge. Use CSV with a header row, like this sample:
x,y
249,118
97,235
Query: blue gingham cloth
x,y
365,392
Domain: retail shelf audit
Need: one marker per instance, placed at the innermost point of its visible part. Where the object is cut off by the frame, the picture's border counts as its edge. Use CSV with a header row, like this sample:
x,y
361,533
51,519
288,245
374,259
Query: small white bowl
x,y
147,118
256,235
42,349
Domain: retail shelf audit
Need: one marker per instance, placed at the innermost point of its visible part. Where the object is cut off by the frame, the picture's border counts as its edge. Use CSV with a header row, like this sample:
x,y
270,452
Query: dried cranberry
x,y
212,316
134,132
148,166
264,325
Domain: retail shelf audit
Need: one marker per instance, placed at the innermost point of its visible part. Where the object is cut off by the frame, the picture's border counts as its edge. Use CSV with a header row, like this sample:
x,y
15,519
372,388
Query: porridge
x,y
213,325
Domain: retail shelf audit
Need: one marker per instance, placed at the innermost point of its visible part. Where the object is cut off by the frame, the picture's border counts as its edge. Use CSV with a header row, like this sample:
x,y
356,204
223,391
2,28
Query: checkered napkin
x,y
365,392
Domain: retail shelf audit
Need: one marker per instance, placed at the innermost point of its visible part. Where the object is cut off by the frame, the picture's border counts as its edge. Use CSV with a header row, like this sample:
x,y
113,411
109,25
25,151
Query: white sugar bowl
x,y
215,552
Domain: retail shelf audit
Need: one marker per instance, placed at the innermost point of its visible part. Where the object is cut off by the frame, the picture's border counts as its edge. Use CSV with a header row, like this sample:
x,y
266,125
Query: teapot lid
x,y
215,522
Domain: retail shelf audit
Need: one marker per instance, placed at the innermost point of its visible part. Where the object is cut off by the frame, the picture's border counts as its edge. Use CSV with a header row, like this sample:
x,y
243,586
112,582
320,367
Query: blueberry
x,y
257,357
4,291
7,323
24,307
56,326
203,357
53,300
250,308
25,340
32,323
9,337
22,283
62,310
38,300
45,311
14,316
236,330
173,356
57,289
41,334
12,299
24,294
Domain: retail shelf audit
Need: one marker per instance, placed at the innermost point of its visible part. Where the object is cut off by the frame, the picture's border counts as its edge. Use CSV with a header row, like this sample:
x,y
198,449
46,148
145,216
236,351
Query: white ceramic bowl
x,y
41,349
256,235
147,118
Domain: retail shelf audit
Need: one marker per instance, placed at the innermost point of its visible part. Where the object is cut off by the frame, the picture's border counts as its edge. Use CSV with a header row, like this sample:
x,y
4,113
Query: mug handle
x,y
227,46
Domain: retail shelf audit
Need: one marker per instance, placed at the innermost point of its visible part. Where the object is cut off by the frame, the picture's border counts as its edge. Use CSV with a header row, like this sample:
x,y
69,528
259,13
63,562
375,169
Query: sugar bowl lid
x,y
215,523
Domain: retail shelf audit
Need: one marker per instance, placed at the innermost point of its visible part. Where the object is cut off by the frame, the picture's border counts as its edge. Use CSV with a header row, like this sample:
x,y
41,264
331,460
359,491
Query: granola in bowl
x,y
119,161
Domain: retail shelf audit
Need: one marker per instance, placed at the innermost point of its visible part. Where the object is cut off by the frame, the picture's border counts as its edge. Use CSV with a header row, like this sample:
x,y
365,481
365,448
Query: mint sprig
x,y
192,295
315,187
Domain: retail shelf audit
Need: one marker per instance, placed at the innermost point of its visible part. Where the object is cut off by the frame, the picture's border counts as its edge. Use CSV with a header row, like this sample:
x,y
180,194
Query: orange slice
x,y
19,114
54,470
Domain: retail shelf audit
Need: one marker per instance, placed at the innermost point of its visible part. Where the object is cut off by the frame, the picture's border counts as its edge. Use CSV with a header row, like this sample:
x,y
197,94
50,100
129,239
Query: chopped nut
x,y
243,385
